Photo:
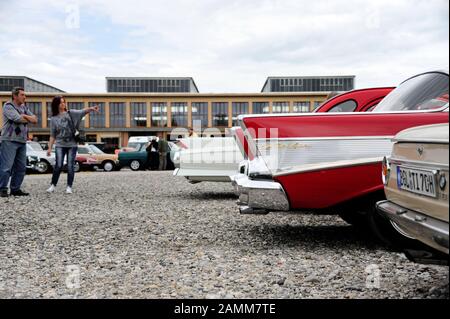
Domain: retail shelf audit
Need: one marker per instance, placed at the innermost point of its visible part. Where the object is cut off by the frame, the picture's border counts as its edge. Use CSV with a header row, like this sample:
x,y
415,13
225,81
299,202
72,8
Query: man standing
x,y
13,150
163,148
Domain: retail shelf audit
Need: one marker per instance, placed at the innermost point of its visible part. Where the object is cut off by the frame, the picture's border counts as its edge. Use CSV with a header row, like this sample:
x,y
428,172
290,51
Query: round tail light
x,y
386,171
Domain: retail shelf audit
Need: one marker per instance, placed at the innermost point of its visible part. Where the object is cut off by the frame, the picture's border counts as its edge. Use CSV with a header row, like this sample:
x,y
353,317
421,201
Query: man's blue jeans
x,y
13,164
61,153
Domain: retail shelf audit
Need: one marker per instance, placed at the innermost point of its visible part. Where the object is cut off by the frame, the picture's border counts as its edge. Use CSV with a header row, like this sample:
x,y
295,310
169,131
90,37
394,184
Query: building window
x,y
238,109
91,138
220,114
200,113
36,109
260,107
280,107
317,104
97,119
75,105
302,107
49,113
179,113
159,114
117,114
138,114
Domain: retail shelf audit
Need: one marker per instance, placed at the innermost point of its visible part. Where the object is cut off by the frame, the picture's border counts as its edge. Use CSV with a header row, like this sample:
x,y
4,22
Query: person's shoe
x,y
4,193
69,190
51,189
19,193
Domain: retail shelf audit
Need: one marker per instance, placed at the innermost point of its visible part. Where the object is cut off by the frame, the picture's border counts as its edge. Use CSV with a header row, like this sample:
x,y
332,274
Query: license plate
x,y
416,181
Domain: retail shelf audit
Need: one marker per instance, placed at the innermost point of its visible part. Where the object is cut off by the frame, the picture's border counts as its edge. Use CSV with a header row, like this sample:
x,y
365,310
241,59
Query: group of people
x,y
64,126
157,151
64,130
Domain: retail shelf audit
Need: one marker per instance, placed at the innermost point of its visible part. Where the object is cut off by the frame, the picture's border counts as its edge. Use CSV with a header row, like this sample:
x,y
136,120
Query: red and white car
x,y
332,161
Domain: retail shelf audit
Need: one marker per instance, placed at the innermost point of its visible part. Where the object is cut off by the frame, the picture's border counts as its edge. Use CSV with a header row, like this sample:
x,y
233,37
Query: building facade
x,y
150,85
8,83
124,114
309,84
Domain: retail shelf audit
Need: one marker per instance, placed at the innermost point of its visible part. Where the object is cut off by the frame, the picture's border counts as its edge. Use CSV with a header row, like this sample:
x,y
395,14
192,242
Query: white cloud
x,y
227,46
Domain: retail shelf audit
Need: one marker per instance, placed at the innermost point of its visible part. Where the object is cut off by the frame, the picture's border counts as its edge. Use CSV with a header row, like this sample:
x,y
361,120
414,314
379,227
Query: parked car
x,y
331,161
108,162
205,159
136,156
83,163
32,161
46,163
416,185
361,100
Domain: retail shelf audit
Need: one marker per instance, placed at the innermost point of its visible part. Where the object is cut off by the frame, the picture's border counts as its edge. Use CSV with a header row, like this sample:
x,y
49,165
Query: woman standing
x,y
63,125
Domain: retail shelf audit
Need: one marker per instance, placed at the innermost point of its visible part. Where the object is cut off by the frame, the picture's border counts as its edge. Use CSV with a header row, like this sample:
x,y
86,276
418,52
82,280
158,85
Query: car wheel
x,y
77,167
135,165
353,218
383,230
42,167
108,166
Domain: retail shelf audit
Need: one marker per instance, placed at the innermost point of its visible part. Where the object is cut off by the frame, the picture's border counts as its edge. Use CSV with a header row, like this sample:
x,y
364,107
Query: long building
x,y
134,114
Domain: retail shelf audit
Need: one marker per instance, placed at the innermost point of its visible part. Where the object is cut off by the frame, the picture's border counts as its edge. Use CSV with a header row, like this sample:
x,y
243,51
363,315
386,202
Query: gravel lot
x,y
151,235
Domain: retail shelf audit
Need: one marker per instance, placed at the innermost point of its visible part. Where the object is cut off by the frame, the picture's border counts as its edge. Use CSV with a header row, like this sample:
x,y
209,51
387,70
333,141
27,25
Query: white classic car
x,y
46,163
208,159
416,184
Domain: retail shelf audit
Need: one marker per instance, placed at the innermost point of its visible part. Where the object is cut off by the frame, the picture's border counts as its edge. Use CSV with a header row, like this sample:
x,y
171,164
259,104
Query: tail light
x,y
243,144
386,171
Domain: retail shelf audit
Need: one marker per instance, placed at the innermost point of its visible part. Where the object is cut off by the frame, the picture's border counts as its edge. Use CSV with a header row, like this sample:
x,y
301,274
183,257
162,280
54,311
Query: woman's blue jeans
x,y
61,153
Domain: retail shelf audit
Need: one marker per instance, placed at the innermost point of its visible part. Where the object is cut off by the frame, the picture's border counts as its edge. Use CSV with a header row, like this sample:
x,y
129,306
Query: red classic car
x,y
362,100
332,161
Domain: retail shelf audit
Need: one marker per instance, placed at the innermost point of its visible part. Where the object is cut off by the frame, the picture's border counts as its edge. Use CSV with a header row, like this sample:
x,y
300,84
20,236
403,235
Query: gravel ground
x,y
151,235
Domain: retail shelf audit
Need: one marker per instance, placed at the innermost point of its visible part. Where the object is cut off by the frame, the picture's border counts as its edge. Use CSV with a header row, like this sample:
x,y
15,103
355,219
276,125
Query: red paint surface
x,y
338,124
322,189
326,188
364,98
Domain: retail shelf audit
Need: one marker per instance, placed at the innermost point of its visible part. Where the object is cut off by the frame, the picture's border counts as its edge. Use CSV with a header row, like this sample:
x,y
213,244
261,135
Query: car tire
x,y
135,165
43,167
77,167
108,166
382,229
353,218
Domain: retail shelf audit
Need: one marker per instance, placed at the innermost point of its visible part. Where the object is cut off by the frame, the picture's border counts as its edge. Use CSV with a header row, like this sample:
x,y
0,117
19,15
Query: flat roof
x,y
153,78
28,78
305,77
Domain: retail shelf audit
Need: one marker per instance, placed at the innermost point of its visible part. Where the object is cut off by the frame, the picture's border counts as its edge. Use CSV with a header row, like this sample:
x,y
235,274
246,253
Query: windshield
x,y
36,147
95,149
424,92
136,146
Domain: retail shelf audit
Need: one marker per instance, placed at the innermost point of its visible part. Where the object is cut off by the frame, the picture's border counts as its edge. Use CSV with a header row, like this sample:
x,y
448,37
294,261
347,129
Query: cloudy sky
x,y
226,46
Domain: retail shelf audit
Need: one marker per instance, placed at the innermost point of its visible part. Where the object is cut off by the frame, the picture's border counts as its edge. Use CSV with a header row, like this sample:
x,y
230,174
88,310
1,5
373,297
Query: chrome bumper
x,y
259,196
426,229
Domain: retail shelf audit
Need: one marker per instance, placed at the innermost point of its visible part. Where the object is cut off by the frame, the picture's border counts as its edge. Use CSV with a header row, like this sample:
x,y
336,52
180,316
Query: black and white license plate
x,y
416,181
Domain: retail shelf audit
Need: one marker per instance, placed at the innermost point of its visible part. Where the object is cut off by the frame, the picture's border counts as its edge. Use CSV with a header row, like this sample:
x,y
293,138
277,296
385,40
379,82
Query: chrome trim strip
x,y
329,165
426,141
328,138
418,164
441,109
431,231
